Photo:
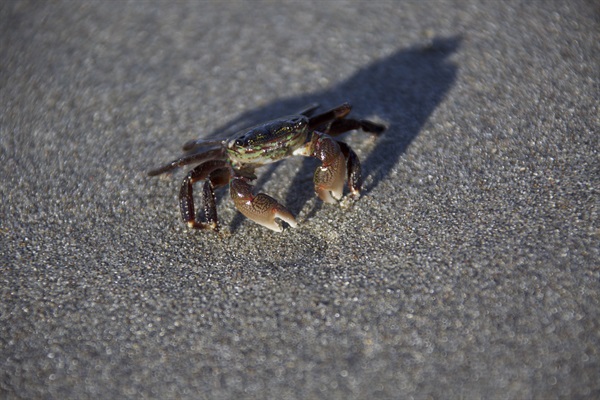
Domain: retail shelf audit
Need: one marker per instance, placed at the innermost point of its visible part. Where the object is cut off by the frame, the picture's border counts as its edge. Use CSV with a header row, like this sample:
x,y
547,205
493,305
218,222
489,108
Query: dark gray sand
x,y
469,267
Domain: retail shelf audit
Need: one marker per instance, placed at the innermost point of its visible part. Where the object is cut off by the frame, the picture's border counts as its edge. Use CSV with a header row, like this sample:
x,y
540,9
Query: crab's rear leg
x,y
334,122
262,209
339,126
336,113
214,173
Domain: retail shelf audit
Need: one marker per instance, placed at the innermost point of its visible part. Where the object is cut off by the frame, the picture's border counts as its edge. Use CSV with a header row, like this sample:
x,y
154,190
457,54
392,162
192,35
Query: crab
x,y
233,162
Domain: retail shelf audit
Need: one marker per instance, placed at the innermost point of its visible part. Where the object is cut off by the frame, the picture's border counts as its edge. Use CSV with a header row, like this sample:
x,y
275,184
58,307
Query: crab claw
x,y
262,209
330,176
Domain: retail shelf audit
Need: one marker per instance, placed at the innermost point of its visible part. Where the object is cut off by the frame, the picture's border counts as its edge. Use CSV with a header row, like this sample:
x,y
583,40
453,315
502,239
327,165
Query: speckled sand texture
x,y
469,268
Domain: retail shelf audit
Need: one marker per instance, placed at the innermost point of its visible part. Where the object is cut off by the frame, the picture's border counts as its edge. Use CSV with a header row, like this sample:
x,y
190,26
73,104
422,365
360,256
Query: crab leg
x,y
188,159
336,113
334,122
196,143
262,209
353,168
186,198
339,126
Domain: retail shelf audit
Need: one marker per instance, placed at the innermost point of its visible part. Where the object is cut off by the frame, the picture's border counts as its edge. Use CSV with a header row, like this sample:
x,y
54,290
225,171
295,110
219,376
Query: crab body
x,y
269,142
233,162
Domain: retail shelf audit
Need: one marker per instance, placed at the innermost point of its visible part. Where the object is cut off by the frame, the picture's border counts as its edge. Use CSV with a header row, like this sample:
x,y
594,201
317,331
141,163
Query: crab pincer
x,y
262,208
330,176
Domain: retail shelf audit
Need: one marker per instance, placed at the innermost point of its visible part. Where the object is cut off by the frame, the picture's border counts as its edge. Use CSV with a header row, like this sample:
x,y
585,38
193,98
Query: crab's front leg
x,y
262,209
215,174
337,160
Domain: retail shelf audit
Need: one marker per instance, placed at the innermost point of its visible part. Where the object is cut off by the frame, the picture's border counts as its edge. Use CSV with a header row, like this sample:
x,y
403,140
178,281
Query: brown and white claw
x,y
329,183
262,208
331,174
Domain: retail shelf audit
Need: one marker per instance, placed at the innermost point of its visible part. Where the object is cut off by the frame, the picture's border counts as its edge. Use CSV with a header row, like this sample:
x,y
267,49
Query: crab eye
x,y
300,123
241,141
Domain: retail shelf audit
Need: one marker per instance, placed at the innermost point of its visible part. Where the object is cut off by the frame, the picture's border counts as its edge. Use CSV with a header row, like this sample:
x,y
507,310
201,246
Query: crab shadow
x,y
401,91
